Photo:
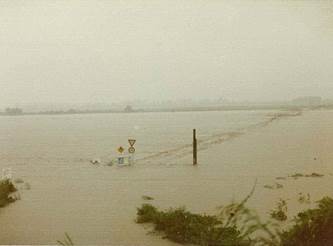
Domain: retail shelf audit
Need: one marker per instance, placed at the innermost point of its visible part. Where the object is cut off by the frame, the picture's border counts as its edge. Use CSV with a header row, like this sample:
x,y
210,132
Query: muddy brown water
x,y
96,204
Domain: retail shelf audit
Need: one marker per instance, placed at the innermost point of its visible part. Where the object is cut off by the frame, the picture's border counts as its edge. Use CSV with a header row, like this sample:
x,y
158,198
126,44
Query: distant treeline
x,y
129,109
13,111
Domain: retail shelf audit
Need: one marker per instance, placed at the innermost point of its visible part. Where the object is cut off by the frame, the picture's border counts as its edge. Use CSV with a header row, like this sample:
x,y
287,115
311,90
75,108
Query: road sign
x,y
121,149
131,142
131,150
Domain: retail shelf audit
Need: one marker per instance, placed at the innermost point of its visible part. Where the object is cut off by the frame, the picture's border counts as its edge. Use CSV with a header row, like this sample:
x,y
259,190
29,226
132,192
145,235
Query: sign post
x,y
121,157
128,158
195,150
131,150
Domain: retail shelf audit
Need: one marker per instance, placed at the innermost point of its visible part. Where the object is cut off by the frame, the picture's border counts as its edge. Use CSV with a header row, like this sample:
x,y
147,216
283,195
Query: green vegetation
x,y
312,175
233,225
236,225
280,213
67,241
304,199
147,198
274,187
6,188
313,227
297,175
184,227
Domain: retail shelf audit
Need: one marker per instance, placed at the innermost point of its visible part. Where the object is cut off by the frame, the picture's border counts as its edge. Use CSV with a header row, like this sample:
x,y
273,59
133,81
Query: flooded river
x,y
96,204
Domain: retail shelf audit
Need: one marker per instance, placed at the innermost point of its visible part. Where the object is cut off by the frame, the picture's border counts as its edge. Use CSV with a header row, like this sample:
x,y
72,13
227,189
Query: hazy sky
x,y
106,51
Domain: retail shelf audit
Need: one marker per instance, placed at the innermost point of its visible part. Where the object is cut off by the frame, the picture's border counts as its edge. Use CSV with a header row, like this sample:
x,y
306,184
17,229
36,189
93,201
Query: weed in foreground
x,y
313,227
280,213
67,241
6,188
233,225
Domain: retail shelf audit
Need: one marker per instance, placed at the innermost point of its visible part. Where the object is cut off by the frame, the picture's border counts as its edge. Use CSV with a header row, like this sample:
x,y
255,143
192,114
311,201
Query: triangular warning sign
x,y
131,142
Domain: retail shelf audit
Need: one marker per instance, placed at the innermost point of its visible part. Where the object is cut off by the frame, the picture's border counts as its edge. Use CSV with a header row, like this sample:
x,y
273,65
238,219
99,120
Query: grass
x,y
67,241
6,188
280,213
184,227
313,227
236,225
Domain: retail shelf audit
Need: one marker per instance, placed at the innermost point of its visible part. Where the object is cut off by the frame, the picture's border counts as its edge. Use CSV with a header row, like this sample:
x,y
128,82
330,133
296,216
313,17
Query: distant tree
x,y
128,108
14,111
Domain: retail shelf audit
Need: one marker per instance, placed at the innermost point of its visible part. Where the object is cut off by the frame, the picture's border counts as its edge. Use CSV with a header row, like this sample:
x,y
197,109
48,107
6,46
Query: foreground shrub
x,y
184,227
313,227
234,225
6,188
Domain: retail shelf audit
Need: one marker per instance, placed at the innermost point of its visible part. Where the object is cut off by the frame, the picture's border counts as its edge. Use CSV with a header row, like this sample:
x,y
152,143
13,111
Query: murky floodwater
x,y
97,204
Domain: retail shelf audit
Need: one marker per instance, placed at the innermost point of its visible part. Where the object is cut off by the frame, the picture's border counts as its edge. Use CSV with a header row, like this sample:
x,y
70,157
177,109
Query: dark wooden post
x,y
195,150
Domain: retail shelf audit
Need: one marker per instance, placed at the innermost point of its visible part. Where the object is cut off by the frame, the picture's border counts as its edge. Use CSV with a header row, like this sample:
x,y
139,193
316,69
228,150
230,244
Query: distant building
x,y
13,111
307,101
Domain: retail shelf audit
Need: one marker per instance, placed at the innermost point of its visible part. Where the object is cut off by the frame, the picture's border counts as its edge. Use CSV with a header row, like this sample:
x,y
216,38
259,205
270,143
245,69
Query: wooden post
x,y
195,150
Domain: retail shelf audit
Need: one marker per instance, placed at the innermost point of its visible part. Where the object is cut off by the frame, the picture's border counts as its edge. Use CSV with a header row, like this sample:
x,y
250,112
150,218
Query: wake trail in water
x,y
208,142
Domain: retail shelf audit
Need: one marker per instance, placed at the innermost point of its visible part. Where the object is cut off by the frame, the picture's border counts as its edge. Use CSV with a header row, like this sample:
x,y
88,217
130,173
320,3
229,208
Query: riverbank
x,y
165,110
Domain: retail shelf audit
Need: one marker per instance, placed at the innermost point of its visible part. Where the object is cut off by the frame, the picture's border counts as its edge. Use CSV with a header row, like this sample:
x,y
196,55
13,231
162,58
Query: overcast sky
x,y
108,51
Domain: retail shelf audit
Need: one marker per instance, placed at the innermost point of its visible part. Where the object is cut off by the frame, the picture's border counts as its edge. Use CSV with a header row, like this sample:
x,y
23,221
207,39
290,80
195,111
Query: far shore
x,y
171,110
